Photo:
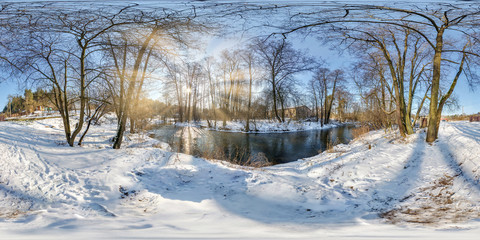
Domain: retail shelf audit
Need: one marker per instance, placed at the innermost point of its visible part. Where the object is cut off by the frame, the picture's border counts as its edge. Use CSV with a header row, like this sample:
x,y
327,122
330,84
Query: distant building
x,y
300,112
475,117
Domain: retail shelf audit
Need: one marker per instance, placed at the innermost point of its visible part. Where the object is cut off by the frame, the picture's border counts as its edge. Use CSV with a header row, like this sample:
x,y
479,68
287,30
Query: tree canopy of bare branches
x,y
450,32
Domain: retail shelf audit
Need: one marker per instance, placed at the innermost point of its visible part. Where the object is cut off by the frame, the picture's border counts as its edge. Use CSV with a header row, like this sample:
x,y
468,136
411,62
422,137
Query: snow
x,y
378,186
260,126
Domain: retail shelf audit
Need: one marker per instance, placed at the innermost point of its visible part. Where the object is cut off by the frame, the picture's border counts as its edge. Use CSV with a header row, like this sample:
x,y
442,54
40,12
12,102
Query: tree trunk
x,y
327,117
96,115
445,97
247,126
321,112
432,129
83,99
130,92
417,115
132,123
274,95
64,104
282,107
325,101
315,103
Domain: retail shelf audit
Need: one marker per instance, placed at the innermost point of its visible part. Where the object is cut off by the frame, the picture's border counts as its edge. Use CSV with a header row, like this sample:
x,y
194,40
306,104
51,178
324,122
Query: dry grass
x,y
12,213
435,205
29,119
360,131
331,144
239,157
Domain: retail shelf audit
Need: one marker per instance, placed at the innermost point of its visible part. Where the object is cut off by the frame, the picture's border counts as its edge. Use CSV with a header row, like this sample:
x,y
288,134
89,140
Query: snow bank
x,y
379,186
260,126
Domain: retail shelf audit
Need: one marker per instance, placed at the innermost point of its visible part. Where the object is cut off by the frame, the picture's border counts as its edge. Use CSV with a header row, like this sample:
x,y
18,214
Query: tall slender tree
x,y
282,62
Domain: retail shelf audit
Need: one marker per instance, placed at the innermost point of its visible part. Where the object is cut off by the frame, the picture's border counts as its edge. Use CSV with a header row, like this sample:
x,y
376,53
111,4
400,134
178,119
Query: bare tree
x,y
313,89
406,62
434,24
47,54
282,62
212,86
253,72
336,78
175,79
230,67
322,82
86,28
344,101
319,85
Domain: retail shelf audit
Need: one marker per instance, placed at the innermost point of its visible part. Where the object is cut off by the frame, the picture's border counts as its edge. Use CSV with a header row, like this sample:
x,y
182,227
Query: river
x,y
243,147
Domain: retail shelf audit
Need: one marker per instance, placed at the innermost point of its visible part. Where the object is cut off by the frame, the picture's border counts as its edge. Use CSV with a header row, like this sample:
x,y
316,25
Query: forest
x,y
407,62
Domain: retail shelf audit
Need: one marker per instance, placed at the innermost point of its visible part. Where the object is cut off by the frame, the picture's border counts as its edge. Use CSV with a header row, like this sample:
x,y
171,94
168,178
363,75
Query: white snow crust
x,y
379,186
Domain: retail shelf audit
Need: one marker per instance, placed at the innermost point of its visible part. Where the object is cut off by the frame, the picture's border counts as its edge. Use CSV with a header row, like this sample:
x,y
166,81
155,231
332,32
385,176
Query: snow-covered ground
x,y
36,115
261,126
377,187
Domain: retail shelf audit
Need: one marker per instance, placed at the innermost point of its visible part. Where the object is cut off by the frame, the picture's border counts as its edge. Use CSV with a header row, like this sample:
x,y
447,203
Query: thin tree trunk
x,y
445,97
83,99
282,107
274,95
96,115
327,117
131,88
247,127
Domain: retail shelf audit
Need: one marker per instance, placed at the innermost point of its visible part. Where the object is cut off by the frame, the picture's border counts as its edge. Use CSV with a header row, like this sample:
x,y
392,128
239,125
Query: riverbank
x,y
379,186
261,126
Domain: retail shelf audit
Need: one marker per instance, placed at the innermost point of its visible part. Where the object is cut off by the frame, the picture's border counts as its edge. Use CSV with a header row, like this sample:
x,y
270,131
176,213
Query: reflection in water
x,y
276,147
186,138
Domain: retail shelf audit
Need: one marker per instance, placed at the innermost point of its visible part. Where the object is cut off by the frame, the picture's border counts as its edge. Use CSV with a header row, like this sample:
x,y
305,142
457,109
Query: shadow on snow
x,y
229,188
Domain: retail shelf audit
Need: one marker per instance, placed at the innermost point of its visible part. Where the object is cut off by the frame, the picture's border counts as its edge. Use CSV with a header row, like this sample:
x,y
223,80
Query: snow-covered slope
x,y
379,186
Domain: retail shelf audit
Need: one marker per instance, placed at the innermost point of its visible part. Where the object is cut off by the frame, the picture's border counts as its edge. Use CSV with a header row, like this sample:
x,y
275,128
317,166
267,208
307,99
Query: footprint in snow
x,y
144,226
101,209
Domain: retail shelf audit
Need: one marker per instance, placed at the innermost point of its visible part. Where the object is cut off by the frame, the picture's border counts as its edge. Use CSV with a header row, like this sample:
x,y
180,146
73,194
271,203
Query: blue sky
x,y
7,88
469,100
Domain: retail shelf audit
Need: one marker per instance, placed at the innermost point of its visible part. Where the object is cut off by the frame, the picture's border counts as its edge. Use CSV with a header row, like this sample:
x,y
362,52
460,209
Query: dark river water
x,y
242,147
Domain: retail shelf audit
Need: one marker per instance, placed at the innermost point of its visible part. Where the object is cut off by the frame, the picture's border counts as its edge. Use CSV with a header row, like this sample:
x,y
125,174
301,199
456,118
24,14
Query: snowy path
x,y
48,189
